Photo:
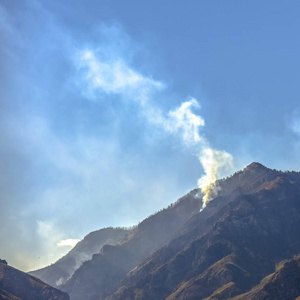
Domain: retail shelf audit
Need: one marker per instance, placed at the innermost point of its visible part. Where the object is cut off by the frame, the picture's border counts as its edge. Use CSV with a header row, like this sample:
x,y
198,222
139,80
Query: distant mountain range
x,y
244,245
58,273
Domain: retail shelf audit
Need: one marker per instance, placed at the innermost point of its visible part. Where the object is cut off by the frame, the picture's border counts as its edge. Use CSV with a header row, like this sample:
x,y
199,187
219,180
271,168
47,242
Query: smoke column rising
x,y
185,122
212,161
115,76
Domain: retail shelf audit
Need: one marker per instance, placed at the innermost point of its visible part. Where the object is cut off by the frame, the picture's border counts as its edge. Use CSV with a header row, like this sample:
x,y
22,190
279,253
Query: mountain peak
x,y
255,166
219,253
250,179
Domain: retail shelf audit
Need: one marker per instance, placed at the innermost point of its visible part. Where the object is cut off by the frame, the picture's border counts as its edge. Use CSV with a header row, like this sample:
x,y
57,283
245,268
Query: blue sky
x,y
111,110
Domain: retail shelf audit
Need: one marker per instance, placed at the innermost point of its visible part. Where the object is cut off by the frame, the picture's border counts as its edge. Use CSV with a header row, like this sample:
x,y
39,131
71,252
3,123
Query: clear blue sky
x,y
88,94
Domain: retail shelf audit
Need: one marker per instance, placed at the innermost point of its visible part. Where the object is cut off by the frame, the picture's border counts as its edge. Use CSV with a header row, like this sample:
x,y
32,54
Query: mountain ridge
x,y
242,207
17,285
114,262
59,272
218,253
283,284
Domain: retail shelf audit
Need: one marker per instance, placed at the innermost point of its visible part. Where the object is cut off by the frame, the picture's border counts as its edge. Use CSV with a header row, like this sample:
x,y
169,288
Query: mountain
x,y
283,284
224,251
96,277
229,252
59,272
16,285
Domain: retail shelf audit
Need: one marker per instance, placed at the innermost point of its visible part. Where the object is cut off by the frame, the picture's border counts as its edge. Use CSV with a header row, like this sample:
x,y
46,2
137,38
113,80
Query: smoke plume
x,y
212,161
183,121
114,75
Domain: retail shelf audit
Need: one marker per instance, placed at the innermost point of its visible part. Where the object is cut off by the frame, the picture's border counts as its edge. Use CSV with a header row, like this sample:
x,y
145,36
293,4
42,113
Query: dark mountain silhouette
x,y
59,272
3,261
16,285
222,252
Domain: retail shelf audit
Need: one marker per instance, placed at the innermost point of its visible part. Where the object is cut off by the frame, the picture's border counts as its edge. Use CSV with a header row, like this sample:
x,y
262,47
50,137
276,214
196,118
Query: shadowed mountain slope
x,y
284,284
232,249
95,278
218,253
59,272
16,285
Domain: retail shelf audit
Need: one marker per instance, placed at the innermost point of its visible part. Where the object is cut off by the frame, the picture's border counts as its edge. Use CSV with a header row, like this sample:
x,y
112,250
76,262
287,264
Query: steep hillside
x,y
96,278
230,251
59,272
284,284
16,285
219,253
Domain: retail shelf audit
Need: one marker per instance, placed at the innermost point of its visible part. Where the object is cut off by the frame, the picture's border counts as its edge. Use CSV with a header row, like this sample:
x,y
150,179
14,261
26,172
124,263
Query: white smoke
x,y
212,161
79,259
68,242
55,244
185,122
114,76
60,281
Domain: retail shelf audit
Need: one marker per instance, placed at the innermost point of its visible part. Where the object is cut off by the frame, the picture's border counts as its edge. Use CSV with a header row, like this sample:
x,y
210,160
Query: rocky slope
x,y
59,272
227,253
283,284
16,285
220,253
95,278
